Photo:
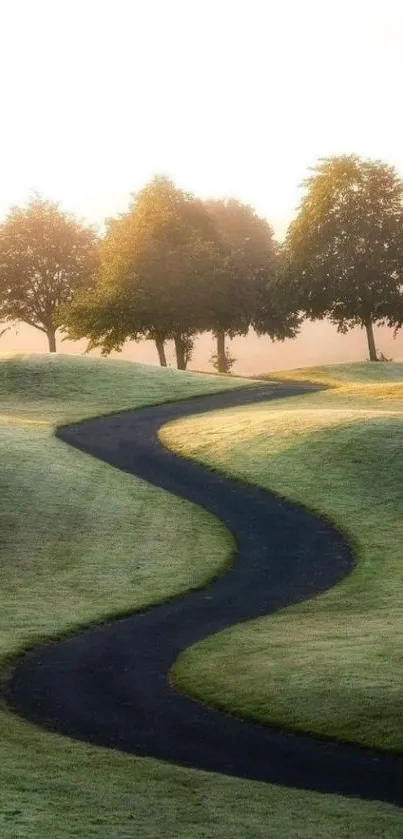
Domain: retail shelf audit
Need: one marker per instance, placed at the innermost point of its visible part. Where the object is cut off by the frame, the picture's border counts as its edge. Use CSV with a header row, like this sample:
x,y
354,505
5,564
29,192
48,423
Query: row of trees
x,y
173,266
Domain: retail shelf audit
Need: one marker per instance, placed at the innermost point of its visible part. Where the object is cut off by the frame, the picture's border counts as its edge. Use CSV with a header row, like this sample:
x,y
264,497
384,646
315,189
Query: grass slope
x,y
79,540
62,388
333,665
104,541
341,375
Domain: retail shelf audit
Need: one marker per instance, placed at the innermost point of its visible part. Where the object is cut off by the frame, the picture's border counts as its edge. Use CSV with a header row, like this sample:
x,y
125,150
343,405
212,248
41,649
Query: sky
x,y
227,97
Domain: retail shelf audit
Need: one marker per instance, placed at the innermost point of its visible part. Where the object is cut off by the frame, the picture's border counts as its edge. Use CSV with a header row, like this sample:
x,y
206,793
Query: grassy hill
x,y
337,375
75,520
332,666
62,388
78,541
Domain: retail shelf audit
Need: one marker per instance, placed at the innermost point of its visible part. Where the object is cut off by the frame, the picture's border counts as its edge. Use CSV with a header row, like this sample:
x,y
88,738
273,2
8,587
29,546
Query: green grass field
x,y
104,541
79,541
333,665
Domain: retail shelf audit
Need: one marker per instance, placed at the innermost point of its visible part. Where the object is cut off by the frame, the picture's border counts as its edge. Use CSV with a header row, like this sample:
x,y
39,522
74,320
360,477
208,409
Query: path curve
x,y
109,685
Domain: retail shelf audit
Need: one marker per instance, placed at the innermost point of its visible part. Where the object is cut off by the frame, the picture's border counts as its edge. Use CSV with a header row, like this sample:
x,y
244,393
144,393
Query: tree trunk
x,y
180,350
51,333
159,343
221,354
371,341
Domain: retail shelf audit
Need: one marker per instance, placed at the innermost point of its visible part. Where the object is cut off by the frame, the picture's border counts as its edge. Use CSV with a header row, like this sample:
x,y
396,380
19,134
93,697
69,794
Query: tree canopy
x,y
345,248
244,295
153,267
173,265
45,257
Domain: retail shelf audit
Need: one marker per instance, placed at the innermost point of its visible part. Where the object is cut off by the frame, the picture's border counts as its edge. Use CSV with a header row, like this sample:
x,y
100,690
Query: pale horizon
x,y
226,98
317,343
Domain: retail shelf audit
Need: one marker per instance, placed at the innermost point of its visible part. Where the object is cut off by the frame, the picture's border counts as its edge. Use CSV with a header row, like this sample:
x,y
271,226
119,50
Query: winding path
x,y
109,685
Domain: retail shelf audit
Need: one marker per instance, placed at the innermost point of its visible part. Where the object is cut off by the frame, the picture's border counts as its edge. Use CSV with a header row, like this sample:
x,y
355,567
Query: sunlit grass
x,y
60,388
80,540
335,375
332,666
23,422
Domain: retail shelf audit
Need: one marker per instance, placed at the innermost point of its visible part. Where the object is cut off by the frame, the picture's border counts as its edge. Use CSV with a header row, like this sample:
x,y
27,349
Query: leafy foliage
x,y
173,266
345,248
248,261
249,292
45,257
154,263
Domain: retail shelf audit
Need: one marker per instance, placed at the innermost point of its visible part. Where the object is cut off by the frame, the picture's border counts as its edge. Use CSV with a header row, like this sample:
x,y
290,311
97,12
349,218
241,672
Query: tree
x,y
245,269
277,307
45,257
345,248
152,261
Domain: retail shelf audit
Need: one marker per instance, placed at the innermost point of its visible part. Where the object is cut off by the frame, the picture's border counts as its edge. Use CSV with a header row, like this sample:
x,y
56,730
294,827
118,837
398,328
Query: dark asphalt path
x,y
109,685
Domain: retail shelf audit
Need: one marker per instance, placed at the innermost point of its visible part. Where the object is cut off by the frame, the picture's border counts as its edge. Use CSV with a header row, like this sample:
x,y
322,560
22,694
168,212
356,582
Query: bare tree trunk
x,y
180,350
159,343
51,334
371,341
221,354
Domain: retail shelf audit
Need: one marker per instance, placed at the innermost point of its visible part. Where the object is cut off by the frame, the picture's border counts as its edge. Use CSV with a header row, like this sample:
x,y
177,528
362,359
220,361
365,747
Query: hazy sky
x,y
225,97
